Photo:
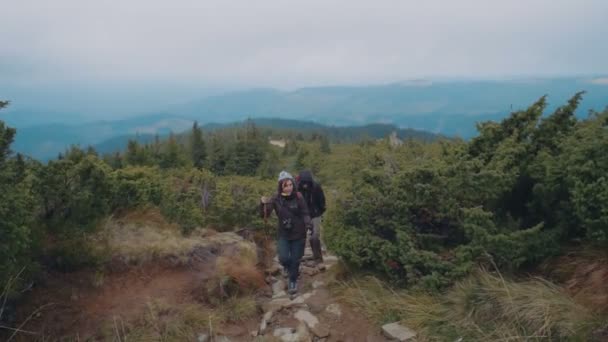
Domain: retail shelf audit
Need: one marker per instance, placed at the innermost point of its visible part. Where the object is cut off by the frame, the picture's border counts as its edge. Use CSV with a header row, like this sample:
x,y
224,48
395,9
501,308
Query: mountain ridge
x,y
449,108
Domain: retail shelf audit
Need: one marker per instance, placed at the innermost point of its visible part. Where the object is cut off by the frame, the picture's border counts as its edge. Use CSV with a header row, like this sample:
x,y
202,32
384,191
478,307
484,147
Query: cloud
x,y
599,81
288,43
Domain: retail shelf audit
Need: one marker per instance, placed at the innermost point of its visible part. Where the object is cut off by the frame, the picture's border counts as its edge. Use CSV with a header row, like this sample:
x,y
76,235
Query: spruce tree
x,y
198,150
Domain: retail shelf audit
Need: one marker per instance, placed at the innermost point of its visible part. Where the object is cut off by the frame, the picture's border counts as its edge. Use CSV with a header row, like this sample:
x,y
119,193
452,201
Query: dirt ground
x,y
76,306
79,305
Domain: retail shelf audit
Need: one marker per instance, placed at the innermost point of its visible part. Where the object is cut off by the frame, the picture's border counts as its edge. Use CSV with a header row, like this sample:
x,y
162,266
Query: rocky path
x,y
314,314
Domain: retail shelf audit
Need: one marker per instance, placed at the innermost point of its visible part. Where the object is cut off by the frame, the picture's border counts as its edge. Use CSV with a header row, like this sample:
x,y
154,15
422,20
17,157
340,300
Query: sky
x,y
286,43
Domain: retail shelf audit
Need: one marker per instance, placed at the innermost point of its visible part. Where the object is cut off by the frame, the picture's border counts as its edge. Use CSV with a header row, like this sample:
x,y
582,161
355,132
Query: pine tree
x,y
553,128
172,157
291,148
16,205
91,151
217,155
133,155
115,160
7,134
270,166
324,144
198,150
300,163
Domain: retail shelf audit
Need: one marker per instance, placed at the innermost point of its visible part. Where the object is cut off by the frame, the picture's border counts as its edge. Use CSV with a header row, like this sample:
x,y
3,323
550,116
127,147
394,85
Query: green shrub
x,y
425,214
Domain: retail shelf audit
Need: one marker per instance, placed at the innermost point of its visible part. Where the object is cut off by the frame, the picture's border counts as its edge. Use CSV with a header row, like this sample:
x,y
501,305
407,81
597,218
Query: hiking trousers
x,y
290,254
315,239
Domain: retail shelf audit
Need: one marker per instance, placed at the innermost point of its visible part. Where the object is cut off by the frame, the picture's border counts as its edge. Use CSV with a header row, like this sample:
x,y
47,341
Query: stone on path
x,y
320,330
312,322
278,286
334,309
283,331
275,304
398,332
273,270
302,298
310,271
279,295
317,283
330,258
292,335
283,302
265,320
306,317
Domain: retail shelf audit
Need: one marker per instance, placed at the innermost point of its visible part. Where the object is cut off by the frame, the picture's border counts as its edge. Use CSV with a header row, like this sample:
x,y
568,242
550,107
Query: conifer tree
x,y
198,151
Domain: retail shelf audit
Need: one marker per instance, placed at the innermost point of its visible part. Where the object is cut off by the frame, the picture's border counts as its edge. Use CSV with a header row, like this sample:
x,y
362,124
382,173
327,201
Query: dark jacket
x,y
313,193
292,213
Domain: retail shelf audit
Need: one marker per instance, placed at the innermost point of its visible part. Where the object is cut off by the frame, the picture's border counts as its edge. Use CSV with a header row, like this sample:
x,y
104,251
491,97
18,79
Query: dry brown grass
x,y
236,275
146,216
383,304
141,236
267,246
532,309
243,272
483,307
163,322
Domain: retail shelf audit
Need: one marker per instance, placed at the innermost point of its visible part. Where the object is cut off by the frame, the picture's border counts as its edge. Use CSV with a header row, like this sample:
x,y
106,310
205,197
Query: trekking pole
x,y
264,209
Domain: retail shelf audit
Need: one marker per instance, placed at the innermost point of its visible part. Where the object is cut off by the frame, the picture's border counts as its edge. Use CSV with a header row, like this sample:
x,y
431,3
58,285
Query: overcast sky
x,y
298,43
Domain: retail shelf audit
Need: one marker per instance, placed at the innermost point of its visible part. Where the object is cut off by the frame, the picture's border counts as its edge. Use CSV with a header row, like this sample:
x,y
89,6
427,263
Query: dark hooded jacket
x,y
292,213
313,193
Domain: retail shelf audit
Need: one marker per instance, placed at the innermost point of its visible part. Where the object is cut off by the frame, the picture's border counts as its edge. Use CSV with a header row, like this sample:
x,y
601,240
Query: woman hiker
x,y
293,223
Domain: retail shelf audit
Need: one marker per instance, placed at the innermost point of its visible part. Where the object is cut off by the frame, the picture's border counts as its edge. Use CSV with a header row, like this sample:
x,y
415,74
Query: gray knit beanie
x,y
285,175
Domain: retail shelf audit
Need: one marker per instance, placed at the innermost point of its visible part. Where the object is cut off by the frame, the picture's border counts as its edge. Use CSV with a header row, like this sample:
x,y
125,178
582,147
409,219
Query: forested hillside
x,y
456,224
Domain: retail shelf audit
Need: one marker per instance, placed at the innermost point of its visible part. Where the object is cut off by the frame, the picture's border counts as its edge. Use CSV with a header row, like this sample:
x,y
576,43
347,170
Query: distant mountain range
x,y
448,108
46,141
287,126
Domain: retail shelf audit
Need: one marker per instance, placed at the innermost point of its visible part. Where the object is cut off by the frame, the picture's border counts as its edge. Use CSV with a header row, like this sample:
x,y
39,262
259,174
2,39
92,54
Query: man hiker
x,y
315,199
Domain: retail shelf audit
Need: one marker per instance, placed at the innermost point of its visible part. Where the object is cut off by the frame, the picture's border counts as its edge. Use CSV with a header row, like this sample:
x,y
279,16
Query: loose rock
x,y
279,295
275,304
306,317
302,298
278,286
265,320
317,283
398,332
274,270
282,331
292,335
334,309
320,330
330,258
310,271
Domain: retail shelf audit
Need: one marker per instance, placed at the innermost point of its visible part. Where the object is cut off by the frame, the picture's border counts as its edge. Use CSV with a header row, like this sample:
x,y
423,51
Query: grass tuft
x,y
142,236
163,322
484,306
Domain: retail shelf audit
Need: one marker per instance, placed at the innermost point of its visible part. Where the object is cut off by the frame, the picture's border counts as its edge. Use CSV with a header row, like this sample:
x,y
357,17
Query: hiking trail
x,y
315,314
